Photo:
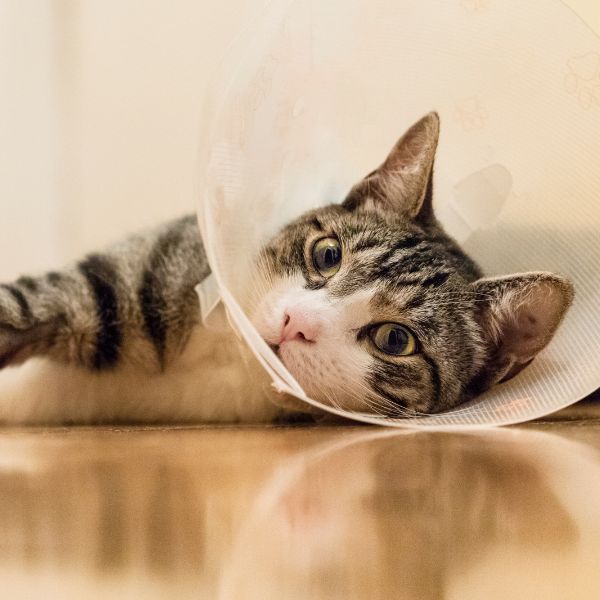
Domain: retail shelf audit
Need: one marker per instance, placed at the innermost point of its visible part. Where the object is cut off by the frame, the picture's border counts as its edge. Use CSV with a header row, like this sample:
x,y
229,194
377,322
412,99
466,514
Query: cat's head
x,y
372,307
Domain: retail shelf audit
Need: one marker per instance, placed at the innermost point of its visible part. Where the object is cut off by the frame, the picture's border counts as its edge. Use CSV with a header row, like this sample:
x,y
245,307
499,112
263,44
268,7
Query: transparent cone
x,y
315,93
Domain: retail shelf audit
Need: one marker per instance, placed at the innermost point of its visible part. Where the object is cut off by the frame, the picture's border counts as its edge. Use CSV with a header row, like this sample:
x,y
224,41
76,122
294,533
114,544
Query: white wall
x,y
99,111
30,210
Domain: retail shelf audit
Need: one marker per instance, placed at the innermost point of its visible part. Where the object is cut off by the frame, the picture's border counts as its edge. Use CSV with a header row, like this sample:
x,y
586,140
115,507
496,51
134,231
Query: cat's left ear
x,y
403,183
518,316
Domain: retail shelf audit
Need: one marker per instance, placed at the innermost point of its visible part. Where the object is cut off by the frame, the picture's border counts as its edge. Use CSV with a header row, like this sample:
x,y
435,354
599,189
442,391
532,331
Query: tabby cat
x,y
368,303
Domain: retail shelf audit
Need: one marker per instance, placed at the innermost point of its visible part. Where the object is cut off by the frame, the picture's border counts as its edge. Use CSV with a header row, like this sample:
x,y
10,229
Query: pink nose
x,y
298,324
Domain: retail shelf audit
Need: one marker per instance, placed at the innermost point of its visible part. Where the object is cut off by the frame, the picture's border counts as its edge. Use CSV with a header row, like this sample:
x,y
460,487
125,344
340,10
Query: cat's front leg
x,y
131,305
71,316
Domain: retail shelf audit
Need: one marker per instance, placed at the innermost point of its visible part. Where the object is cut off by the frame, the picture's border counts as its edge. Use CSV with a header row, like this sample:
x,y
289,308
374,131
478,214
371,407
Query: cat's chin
x,y
297,359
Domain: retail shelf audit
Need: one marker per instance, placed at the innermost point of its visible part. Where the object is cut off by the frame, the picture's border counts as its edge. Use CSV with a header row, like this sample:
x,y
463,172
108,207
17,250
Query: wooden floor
x,y
303,512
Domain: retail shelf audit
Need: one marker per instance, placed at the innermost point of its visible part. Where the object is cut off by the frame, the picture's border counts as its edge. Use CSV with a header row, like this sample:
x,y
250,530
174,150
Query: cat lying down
x,y
369,304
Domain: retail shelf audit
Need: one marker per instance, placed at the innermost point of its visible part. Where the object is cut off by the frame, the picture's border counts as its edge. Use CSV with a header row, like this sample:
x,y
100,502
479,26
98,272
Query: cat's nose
x,y
299,324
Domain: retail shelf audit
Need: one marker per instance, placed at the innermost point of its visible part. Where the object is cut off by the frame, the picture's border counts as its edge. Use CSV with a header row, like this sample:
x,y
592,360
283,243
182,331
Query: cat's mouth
x,y
277,347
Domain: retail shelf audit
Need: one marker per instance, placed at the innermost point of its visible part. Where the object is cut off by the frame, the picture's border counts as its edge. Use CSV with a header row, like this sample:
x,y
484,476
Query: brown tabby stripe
x,y
54,278
317,224
102,279
393,398
20,299
436,280
434,371
408,376
29,283
151,294
153,305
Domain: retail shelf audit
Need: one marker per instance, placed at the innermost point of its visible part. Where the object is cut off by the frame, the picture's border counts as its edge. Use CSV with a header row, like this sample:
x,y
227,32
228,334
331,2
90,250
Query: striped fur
x,y
116,337
120,337
113,307
414,277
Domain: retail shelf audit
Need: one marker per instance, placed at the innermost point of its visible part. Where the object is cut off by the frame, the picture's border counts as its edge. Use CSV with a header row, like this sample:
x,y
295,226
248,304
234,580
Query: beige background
x,y
99,116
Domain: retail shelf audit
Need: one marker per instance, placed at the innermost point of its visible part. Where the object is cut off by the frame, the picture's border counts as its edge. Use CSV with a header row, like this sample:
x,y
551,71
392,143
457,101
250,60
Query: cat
x,y
369,304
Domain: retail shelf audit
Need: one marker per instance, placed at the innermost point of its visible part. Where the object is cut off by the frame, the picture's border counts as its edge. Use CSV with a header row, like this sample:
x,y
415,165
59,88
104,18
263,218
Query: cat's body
x,y
127,344
368,303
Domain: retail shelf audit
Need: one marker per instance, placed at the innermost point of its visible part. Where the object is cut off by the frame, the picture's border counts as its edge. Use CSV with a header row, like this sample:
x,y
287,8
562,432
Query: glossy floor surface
x,y
303,512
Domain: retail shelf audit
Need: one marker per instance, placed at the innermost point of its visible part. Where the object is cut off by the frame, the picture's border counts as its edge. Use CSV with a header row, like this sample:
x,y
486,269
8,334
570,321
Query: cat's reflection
x,y
102,515
398,518
274,514
457,497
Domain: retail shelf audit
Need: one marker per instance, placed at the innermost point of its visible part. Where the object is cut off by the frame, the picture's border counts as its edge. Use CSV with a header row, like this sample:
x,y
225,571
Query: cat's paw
x,y
21,334
17,345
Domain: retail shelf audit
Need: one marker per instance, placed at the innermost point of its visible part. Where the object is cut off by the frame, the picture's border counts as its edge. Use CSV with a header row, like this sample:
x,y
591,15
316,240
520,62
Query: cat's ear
x,y
518,315
403,183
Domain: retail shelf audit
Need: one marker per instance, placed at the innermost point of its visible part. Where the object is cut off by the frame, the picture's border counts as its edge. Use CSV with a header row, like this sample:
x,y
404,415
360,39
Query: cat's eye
x,y
327,256
394,339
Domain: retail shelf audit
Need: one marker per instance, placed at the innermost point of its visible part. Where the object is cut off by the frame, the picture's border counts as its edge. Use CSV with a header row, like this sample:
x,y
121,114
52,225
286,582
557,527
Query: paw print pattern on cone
x,y
583,79
471,114
476,5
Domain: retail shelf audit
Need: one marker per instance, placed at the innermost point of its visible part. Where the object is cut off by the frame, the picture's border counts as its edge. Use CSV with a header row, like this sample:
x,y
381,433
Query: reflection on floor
x,y
304,512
